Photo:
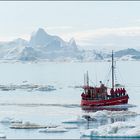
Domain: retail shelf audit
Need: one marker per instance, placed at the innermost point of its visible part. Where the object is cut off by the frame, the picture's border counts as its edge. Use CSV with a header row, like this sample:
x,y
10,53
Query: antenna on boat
x,y
87,79
112,71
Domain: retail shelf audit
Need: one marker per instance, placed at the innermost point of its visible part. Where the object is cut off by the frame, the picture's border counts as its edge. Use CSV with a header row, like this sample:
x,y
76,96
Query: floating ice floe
x,y
6,120
117,129
109,114
26,125
28,87
2,136
76,120
54,130
70,127
45,88
16,121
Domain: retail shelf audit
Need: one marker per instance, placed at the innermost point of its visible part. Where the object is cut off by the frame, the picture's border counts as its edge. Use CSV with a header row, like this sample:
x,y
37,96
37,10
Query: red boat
x,y
102,95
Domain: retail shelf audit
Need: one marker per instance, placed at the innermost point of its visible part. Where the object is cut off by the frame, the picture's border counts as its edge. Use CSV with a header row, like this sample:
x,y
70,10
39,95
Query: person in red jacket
x,y
124,91
119,91
112,92
116,92
83,95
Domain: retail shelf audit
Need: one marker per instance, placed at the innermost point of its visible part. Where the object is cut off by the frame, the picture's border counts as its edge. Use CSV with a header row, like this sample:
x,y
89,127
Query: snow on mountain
x,y
127,54
92,55
43,46
41,39
40,46
128,51
10,50
28,54
52,47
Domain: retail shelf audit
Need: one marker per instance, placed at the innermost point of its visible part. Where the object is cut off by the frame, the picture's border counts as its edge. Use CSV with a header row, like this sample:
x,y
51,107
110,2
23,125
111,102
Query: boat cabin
x,y
101,93
94,93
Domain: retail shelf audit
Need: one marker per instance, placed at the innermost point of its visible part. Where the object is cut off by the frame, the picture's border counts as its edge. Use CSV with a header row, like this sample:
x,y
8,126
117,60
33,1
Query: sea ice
x,y
16,121
119,129
76,120
26,125
54,130
28,87
2,136
110,114
6,120
70,127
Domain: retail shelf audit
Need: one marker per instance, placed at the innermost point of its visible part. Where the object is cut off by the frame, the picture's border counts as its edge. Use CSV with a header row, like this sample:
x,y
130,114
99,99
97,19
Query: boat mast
x,y
112,71
85,79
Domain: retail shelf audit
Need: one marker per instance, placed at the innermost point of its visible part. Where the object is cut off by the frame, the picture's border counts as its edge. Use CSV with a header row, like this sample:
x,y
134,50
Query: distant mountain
x,y
128,51
43,46
10,50
40,46
128,54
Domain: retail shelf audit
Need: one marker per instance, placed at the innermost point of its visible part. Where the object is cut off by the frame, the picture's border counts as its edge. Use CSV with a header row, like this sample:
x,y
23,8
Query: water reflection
x,y
94,109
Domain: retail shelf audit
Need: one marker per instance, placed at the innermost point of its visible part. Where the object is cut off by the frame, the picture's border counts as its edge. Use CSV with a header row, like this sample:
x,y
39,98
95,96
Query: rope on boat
x,y
107,79
121,76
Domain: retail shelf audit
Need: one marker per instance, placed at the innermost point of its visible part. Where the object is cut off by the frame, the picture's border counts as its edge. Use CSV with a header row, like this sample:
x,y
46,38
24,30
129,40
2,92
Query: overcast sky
x,y
84,21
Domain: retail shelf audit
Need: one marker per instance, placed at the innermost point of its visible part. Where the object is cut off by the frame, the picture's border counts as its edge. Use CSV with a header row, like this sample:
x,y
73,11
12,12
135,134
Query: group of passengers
x,y
117,92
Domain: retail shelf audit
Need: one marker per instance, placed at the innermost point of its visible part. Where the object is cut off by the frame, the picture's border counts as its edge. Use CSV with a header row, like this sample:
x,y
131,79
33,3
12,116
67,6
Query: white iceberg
x,y
6,120
16,121
28,87
2,136
104,114
70,127
54,130
117,129
26,125
45,88
78,120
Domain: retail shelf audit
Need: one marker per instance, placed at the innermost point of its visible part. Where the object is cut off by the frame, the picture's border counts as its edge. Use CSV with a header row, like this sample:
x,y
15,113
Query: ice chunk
x,y
104,114
54,130
28,87
116,129
16,121
134,132
2,136
76,120
26,125
6,120
70,127
45,88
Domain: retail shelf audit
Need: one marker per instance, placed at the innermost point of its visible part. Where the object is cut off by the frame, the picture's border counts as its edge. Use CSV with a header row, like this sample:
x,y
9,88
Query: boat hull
x,y
108,102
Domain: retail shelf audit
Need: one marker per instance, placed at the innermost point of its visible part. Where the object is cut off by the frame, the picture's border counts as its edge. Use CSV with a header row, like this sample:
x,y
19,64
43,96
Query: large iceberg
x,y
117,129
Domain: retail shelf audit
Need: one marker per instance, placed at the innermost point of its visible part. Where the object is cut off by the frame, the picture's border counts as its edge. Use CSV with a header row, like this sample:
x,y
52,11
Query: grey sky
x,y
81,20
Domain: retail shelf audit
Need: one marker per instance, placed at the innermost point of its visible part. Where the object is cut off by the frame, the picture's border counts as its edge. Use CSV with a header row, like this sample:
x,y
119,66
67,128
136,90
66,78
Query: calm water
x,y
62,104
